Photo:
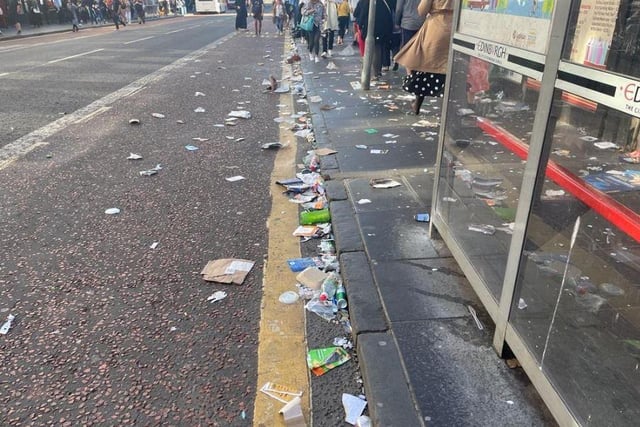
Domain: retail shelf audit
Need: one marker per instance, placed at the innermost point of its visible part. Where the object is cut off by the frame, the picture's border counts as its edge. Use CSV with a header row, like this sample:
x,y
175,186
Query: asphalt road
x,y
109,331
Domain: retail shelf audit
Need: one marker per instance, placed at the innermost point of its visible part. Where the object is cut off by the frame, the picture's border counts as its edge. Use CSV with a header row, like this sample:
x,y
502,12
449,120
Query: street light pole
x,y
365,78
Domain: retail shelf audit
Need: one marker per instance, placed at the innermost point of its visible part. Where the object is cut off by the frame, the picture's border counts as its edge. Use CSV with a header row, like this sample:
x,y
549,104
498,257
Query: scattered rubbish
x,y
611,289
364,201
49,155
158,115
243,414
229,270
180,122
384,183
355,85
316,99
449,199
199,94
312,277
154,245
329,287
292,413
327,107
343,342
217,296
376,151
240,114
331,65
509,402
190,147
197,138
522,304
235,178
489,230
365,421
134,122
422,217
315,217
322,360
340,297
353,407
112,211
606,145
133,156
279,392
361,147
288,297
554,193
371,131
150,172
239,139
6,326
272,145
199,110
306,231
475,317
324,151
325,309
173,329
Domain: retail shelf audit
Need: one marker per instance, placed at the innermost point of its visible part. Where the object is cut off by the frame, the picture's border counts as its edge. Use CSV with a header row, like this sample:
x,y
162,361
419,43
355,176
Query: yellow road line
x,y
282,338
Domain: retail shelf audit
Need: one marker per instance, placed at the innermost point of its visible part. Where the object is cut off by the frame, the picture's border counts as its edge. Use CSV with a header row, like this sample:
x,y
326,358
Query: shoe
x,y
323,54
317,59
385,68
329,53
311,57
395,66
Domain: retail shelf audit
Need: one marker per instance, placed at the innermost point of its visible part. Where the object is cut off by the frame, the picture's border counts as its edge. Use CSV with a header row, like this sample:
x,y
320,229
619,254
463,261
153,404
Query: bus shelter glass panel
x,y
605,34
577,304
489,121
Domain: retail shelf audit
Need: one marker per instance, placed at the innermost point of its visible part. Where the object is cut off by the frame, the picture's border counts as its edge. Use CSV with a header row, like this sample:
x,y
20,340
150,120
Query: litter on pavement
x,y
158,115
217,296
6,326
150,172
134,122
384,183
272,145
190,147
311,277
322,360
133,156
288,297
325,151
154,245
199,110
228,270
112,211
279,392
292,413
240,114
353,407
235,178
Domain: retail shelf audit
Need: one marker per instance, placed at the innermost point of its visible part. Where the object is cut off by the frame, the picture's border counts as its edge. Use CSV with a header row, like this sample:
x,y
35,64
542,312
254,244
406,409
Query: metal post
x,y
365,78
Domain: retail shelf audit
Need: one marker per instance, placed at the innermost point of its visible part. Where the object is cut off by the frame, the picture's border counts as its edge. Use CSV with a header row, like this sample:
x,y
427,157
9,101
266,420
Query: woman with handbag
x,y
312,18
425,56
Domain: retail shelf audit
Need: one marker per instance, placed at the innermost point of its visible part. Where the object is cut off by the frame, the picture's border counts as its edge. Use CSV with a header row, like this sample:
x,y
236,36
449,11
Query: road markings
x,y
21,146
175,31
4,74
92,115
282,345
74,56
139,40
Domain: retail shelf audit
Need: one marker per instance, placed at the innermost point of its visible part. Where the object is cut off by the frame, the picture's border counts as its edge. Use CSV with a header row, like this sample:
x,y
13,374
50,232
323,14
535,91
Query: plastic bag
x,y
324,309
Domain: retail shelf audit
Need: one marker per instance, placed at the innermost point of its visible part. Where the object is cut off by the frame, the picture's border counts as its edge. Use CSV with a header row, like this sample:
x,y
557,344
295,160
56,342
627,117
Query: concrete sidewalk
x,y
423,358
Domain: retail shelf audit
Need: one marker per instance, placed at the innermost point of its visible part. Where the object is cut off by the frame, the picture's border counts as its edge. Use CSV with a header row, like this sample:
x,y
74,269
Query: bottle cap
x,y
324,296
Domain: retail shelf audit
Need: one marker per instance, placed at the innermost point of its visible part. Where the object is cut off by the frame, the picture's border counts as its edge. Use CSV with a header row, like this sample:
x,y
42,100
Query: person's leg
x,y
255,24
116,20
330,36
324,44
316,42
377,59
260,25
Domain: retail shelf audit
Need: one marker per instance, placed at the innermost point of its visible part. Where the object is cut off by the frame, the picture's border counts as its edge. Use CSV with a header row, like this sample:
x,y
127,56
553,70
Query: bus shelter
x,y
537,192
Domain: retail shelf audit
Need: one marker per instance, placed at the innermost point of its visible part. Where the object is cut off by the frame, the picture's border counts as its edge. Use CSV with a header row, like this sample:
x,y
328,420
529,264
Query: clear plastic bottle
x,y
329,287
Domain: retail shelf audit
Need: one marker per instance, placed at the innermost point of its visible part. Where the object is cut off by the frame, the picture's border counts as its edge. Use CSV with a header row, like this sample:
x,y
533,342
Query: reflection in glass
x,y
481,174
590,347
605,34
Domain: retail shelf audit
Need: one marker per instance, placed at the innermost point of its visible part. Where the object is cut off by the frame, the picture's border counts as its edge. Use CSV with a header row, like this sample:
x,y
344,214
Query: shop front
x,y
537,192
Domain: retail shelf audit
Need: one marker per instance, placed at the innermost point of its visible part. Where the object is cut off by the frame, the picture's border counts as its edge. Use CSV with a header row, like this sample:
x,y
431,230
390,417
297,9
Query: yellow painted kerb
x,y
282,345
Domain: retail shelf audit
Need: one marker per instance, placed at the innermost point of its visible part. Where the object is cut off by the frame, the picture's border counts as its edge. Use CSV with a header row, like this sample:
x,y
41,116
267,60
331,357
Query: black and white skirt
x,y
421,83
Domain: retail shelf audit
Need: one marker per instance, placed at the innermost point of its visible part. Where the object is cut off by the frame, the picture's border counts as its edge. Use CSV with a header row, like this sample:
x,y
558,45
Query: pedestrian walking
x,y
383,32
425,56
344,17
257,10
241,15
314,8
73,10
330,26
36,14
140,13
408,19
115,14
279,16
20,16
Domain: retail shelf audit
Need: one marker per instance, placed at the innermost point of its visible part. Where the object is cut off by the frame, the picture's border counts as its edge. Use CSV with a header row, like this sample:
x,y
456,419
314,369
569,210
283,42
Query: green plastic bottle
x,y
315,217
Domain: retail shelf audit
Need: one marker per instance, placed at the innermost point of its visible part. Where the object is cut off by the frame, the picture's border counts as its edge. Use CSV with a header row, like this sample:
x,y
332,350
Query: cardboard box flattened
x,y
229,270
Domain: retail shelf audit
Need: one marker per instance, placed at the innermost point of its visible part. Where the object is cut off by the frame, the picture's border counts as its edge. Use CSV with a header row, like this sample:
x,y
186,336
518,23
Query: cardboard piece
x,y
279,392
292,413
325,151
311,277
228,270
306,231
